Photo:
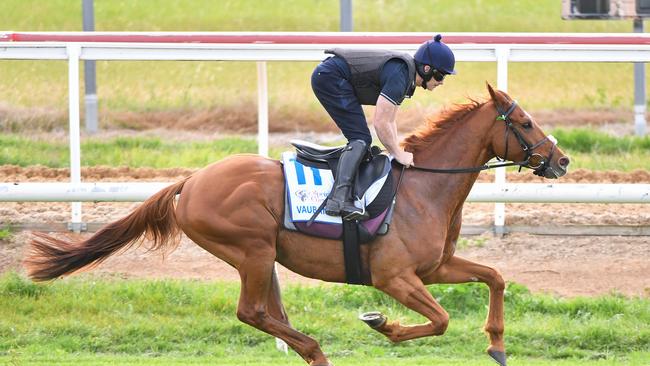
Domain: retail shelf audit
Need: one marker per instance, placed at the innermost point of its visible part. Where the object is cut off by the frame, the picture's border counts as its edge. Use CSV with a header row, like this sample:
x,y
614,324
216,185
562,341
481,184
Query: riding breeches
x,y
336,94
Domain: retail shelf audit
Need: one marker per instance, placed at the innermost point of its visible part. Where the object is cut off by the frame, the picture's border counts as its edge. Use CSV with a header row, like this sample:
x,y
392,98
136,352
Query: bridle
x,y
533,160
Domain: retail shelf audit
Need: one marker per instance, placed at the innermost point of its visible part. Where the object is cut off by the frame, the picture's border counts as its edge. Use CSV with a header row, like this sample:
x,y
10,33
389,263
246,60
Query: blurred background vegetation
x,y
33,94
217,98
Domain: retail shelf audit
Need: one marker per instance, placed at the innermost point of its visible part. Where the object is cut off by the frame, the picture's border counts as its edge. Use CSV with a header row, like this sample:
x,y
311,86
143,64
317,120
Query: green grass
x,y
588,149
300,15
122,151
471,242
143,86
167,320
594,150
589,141
273,358
626,162
5,234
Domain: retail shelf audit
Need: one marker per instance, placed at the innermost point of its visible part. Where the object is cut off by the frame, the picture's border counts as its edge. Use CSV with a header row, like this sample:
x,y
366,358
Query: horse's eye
x,y
528,125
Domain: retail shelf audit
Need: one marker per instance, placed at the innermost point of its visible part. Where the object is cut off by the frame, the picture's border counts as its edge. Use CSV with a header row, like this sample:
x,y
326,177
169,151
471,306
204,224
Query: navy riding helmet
x,y
437,55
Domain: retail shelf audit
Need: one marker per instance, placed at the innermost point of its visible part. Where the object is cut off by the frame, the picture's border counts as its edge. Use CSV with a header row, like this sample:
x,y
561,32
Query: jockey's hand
x,y
405,158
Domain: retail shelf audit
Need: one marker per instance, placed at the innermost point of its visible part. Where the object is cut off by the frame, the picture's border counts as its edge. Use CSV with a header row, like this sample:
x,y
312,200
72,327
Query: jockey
x,y
355,77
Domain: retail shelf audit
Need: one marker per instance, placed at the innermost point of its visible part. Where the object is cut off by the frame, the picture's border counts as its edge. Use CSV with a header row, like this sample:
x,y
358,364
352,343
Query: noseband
x,y
533,160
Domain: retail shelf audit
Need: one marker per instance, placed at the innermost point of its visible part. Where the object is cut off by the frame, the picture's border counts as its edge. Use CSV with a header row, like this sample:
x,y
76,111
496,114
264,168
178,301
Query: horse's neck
x,y
461,146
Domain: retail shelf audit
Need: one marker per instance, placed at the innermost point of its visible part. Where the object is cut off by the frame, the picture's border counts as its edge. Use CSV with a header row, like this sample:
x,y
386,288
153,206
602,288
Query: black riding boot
x,y
340,202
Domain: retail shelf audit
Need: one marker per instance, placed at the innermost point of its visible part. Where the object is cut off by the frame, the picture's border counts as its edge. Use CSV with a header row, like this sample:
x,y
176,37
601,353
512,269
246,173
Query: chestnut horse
x,y
234,210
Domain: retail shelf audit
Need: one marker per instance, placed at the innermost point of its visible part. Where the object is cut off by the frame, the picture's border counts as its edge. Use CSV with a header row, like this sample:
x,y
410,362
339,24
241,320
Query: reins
x,y
454,171
467,170
505,117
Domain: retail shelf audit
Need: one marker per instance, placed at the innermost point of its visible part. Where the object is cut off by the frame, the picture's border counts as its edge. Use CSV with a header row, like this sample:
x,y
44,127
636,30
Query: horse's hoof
x,y
498,356
374,319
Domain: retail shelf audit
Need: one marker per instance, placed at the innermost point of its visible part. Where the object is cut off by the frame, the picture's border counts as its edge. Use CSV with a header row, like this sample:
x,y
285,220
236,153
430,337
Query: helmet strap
x,y
426,76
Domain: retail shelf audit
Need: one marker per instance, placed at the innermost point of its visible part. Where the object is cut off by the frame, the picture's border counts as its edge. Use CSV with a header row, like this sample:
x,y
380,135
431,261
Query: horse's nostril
x,y
564,161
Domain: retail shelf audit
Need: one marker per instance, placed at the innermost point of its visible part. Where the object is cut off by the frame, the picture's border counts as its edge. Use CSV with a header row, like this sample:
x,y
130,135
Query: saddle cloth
x,y
308,185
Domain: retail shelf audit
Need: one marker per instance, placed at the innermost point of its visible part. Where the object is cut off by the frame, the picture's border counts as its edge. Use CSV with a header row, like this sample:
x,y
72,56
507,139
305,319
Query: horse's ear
x,y
496,97
491,90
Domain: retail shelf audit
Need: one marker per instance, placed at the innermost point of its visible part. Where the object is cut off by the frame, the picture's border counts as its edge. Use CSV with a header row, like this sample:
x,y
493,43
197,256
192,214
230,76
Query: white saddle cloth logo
x,y
308,187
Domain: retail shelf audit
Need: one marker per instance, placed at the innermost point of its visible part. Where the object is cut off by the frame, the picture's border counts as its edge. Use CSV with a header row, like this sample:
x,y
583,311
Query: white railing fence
x,y
501,48
481,192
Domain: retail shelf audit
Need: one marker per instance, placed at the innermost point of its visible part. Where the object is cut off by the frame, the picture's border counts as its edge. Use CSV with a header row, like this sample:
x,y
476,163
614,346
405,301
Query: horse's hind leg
x,y
409,290
256,310
459,270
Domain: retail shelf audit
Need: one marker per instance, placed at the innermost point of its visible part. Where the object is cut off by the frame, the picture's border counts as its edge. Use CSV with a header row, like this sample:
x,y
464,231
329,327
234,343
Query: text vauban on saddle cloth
x,y
307,188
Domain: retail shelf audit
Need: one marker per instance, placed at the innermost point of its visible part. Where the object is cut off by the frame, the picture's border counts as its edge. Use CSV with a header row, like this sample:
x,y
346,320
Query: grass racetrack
x,y
91,320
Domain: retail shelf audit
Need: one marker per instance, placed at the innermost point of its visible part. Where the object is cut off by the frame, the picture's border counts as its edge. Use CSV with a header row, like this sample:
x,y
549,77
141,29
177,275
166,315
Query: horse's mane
x,y
437,124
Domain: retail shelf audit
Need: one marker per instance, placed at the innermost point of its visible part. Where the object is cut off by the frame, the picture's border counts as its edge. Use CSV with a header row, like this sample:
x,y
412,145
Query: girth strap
x,y
352,252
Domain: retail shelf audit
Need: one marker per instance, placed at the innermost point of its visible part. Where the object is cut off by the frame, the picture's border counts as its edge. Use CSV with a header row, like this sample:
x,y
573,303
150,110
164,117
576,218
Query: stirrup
x,y
359,214
356,216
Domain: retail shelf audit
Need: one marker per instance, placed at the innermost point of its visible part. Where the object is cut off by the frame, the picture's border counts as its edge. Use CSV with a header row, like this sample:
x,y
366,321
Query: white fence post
x,y
502,54
74,51
263,148
262,110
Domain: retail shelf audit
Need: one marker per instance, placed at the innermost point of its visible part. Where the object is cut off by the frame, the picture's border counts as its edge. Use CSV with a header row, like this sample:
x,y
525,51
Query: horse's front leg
x,y
409,290
459,270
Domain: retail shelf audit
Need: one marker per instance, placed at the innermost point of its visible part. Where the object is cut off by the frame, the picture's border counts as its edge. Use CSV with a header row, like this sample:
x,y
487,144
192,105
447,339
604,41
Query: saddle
x,y
373,167
373,186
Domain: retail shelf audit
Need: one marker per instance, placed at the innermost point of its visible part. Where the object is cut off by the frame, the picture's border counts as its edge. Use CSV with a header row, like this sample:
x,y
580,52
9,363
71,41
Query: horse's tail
x,y
155,219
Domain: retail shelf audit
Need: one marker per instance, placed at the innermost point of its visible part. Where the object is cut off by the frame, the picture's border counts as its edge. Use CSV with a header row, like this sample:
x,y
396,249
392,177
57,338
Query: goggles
x,y
438,75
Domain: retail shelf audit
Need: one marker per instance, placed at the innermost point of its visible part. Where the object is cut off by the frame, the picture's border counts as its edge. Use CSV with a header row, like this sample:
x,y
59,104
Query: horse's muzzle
x,y
554,169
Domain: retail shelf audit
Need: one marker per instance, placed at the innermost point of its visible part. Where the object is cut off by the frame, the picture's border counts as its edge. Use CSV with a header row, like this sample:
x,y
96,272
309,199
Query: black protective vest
x,y
365,68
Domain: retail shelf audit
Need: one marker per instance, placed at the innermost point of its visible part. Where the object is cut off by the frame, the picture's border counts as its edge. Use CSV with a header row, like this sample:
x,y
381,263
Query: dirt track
x,y
567,266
